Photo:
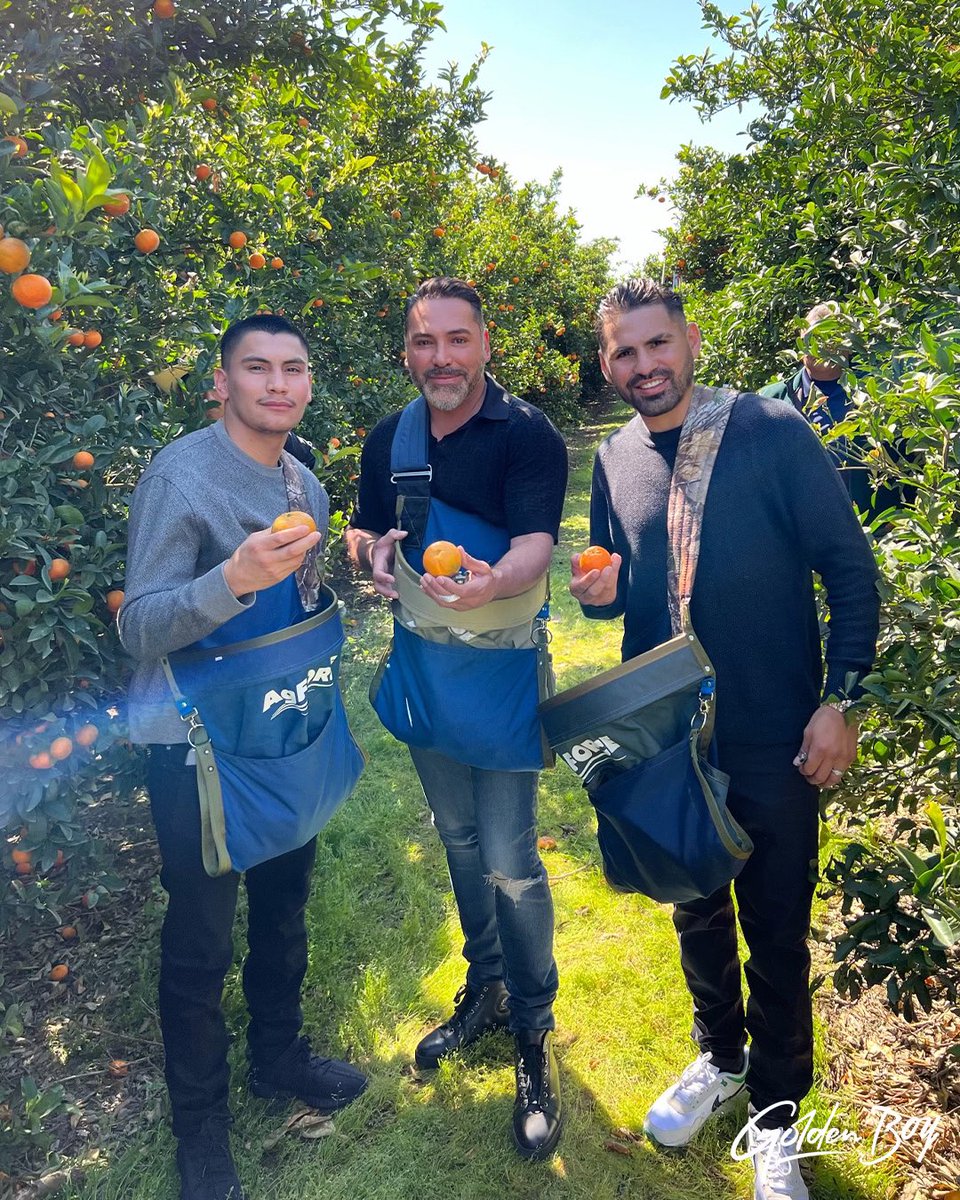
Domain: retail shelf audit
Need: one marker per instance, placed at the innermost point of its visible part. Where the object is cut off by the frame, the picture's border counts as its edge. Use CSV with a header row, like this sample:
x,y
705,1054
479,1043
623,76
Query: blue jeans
x,y
487,823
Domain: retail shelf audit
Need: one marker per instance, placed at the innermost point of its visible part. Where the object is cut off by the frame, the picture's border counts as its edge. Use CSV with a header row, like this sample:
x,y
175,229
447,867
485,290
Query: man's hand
x,y
266,558
597,588
479,589
382,554
829,747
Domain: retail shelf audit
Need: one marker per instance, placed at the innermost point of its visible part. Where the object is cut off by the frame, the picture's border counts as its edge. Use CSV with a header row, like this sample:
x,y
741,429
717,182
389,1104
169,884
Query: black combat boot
x,y
476,1011
536,1113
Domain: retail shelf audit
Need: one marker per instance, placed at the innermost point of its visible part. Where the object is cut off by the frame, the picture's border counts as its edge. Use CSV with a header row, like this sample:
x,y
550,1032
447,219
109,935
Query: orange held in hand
x,y
442,558
594,558
289,520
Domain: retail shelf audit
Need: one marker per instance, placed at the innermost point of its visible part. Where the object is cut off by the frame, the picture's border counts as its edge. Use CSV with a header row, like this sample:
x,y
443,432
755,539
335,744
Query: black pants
x,y
196,948
779,810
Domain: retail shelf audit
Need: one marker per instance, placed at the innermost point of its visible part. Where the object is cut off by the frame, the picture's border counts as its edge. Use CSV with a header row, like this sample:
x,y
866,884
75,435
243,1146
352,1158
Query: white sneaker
x,y
677,1114
776,1175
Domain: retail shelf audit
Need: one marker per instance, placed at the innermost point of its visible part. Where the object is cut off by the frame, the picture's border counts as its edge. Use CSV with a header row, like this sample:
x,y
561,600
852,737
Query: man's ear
x,y
604,367
486,345
693,338
220,383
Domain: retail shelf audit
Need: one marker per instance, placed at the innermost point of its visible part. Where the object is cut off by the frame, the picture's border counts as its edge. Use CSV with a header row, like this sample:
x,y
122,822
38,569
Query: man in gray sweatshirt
x,y
201,554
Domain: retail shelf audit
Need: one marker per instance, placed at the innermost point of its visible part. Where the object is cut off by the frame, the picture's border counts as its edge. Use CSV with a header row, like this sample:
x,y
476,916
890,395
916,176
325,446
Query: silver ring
x,y
802,757
836,771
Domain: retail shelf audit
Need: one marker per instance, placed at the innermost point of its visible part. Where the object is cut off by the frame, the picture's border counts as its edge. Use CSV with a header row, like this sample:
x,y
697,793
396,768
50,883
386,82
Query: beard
x,y
448,396
663,402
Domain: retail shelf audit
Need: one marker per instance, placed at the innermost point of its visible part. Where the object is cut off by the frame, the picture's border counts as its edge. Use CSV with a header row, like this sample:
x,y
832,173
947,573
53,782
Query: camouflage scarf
x,y
700,439
309,576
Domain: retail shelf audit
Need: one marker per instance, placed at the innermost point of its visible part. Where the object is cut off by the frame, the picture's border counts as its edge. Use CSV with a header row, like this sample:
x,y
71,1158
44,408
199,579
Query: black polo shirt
x,y
507,464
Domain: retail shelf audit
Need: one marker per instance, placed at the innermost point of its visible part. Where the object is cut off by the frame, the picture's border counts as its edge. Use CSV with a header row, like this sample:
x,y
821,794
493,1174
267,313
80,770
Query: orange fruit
x,y
23,868
546,842
289,520
334,443
276,263
442,558
41,761
59,569
119,206
75,337
318,303
59,972
61,748
55,315
202,171
20,856
594,558
396,213
32,291
86,735
439,231
114,600
67,932
14,255
361,432
256,261
163,10
237,239
83,460
209,104
19,146
92,338
118,1068
147,240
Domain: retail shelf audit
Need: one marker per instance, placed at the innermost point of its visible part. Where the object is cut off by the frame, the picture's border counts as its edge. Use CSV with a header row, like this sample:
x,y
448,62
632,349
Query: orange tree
x,y
165,171
850,191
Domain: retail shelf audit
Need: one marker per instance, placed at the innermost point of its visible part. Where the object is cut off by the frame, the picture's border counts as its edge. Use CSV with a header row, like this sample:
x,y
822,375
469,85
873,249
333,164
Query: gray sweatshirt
x,y
200,497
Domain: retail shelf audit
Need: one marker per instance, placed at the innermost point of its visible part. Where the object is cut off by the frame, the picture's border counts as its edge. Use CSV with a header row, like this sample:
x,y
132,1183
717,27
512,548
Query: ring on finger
x,y
836,771
802,757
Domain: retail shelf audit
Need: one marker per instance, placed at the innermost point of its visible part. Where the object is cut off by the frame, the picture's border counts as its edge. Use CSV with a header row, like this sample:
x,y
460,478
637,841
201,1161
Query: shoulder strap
x,y
309,575
410,470
700,439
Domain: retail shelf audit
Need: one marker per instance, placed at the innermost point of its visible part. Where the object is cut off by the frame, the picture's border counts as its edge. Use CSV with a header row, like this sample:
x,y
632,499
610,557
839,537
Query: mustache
x,y
435,371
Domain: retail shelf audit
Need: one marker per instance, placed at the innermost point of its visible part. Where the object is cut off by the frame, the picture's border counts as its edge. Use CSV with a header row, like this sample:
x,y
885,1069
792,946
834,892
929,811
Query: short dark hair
x,y
636,293
445,287
262,323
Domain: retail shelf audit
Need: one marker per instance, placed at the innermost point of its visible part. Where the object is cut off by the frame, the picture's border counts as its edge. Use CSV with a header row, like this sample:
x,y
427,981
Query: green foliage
x,y
849,190
309,131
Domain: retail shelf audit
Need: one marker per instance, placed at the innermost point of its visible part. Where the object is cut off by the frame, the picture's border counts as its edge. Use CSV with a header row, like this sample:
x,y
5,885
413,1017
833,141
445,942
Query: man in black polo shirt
x,y
499,467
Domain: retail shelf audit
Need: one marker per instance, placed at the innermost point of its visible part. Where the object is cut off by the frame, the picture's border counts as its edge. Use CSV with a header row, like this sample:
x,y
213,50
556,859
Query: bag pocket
x,y
269,806
656,832
477,706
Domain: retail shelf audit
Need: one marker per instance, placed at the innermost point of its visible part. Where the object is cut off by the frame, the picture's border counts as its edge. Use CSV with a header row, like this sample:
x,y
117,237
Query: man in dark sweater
x,y
776,513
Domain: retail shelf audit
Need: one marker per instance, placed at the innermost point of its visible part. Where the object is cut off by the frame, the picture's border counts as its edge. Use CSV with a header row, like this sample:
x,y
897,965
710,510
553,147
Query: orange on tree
x,y
19,145
202,171
290,520
163,10
75,337
595,558
61,748
86,735
442,558
114,600
119,206
59,569
41,761
209,104
83,460
21,856
59,972
23,868
14,255
256,260
32,291
147,240
92,338
237,239
276,263
67,932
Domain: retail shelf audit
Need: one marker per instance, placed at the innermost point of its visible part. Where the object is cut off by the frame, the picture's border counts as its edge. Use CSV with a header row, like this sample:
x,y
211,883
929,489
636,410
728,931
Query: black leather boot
x,y
477,1010
536,1114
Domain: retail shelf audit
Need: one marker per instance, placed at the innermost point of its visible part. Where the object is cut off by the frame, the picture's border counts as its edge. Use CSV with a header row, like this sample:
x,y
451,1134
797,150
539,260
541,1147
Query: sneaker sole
x,y
685,1138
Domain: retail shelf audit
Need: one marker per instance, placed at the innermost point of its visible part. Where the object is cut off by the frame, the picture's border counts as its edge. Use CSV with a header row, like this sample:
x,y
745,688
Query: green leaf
x,y
935,815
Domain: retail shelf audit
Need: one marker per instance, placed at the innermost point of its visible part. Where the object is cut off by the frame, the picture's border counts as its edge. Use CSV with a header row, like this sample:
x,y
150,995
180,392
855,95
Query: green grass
x,y
385,963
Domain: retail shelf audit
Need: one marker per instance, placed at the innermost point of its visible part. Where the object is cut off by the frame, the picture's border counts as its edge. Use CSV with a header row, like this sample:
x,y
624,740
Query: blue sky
x,y
576,85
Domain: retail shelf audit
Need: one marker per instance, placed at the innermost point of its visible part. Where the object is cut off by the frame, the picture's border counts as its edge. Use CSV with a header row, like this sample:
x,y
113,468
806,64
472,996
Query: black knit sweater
x,y
776,513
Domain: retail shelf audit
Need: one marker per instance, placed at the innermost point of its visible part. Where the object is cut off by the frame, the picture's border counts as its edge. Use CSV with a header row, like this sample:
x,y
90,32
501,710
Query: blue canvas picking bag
x,y
275,755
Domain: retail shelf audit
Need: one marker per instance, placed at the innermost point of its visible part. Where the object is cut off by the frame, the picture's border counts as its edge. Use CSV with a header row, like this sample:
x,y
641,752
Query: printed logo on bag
x,y
296,697
592,753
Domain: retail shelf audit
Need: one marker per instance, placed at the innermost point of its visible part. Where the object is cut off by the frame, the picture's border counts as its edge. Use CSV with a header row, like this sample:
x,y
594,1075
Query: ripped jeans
x,y
487,823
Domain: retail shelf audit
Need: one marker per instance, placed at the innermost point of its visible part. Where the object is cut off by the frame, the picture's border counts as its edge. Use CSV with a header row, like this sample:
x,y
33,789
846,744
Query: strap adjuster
x,y
425,473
